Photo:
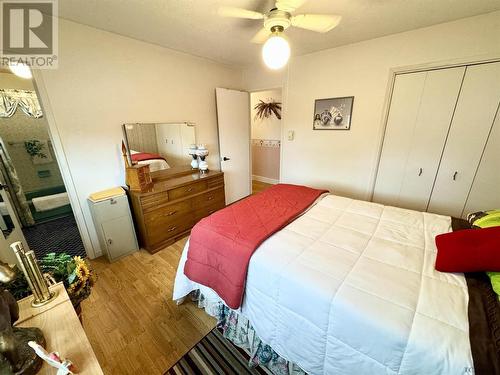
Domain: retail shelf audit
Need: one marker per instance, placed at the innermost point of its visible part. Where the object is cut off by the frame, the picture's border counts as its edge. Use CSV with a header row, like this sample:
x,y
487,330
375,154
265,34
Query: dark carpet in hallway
x,y
55,236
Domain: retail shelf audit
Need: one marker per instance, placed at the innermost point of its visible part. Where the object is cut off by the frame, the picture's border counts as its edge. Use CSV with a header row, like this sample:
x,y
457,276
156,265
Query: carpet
x,y
55,236
215,355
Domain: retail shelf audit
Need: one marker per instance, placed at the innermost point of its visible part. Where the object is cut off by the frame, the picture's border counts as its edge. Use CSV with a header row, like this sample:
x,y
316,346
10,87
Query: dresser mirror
x,y
161,145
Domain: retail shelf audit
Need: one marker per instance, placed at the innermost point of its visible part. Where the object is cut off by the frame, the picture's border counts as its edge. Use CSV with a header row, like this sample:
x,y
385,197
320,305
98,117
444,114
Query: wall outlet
x,y
291,135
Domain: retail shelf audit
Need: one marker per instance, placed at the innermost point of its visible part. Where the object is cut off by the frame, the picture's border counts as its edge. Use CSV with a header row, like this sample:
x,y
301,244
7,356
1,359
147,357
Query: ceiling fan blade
x,y
321,23
239,13
261,36
289,5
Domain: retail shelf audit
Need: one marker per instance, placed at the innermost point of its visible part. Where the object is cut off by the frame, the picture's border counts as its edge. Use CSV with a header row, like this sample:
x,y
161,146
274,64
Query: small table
x,y
62,330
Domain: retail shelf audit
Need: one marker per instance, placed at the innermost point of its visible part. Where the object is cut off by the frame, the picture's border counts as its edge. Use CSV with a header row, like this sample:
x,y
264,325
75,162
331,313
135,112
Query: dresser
x,y
62,330
177,200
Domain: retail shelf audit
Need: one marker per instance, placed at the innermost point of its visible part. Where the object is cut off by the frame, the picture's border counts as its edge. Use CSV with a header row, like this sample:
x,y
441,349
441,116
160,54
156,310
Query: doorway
x,y
35,203
265,112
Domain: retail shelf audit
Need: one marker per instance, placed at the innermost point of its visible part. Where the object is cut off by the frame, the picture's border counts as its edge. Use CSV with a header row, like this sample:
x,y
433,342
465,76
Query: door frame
x,y
62,161
281,127
393,72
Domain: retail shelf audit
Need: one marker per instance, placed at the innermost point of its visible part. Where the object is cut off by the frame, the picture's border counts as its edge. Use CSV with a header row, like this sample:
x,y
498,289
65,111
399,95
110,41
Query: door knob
x,y
225,158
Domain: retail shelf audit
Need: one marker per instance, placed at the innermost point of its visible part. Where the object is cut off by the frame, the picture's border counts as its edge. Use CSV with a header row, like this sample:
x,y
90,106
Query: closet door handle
x,y
455,176
420,171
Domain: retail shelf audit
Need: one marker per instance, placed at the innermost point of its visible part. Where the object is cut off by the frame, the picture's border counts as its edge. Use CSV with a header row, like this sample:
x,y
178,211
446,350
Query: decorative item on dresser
x,y
62,329
178,199
137,177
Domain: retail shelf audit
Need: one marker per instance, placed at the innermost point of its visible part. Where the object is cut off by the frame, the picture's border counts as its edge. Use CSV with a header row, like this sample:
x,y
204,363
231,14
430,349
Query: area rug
x,y
215,355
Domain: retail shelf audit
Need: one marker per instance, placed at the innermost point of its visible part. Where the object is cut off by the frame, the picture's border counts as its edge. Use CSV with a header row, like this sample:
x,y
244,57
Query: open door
x,y
9,225
233,116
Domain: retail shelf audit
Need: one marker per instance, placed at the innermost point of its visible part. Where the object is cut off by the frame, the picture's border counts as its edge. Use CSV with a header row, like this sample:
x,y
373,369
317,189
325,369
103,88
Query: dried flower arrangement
x,y
266,110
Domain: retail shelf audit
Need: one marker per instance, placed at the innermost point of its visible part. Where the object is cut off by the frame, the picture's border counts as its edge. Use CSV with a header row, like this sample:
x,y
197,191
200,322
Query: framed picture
x,y
333,113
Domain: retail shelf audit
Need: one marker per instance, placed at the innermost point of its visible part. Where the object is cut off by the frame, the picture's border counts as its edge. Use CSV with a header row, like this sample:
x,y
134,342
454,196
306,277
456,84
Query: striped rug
x,y
215,355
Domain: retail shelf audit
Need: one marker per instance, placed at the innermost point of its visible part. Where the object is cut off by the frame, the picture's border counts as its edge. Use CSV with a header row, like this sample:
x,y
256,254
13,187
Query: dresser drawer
x,y
208,210
152,201
209,198
185,191
168,214
158,233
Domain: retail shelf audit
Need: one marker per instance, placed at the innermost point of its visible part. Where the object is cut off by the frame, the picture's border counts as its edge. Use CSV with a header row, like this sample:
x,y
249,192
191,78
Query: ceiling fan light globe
x,y
20,70
276,52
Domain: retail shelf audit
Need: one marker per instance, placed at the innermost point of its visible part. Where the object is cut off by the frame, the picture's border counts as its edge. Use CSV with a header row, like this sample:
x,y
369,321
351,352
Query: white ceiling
x,y
193,26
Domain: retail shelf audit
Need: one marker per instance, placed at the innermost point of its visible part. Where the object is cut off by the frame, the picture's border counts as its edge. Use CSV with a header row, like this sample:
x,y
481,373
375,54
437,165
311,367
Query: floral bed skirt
x,y
239,331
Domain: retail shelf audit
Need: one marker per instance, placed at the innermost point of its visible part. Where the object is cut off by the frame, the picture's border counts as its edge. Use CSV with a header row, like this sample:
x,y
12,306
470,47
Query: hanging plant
x,y
266,110
35,148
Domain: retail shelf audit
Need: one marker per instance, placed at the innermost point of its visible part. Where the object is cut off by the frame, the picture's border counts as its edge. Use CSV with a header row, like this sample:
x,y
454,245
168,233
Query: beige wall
x,y
19,128
268,128
345,161
265,156
105,80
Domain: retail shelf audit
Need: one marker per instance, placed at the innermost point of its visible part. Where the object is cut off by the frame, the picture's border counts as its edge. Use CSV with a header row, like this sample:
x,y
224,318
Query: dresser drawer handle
x,y
189,189
210,197
170,213
211,212
172,229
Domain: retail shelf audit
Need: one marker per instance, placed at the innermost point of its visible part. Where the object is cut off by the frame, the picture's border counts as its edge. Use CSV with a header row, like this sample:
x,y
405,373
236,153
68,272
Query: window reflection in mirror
x,y
6,224
161,145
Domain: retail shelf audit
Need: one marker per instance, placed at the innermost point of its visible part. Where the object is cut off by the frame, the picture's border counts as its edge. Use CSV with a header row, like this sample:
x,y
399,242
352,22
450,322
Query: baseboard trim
x,y
265,179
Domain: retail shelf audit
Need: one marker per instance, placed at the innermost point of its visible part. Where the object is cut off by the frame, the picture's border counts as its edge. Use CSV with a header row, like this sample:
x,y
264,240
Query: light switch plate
x,y
291,135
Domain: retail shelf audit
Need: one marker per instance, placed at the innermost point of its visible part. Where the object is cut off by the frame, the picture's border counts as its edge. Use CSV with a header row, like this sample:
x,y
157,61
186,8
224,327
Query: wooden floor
x,y
130,319
258,186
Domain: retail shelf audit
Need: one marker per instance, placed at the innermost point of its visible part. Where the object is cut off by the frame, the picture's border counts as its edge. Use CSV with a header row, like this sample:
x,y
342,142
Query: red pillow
x,y
469,250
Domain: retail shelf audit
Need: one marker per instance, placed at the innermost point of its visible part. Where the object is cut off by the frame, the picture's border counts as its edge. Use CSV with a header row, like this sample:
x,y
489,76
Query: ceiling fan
x,y
276,50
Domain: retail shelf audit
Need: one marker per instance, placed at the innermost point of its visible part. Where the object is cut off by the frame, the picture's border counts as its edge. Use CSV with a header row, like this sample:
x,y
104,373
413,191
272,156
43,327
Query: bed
x,y
156,162
350,287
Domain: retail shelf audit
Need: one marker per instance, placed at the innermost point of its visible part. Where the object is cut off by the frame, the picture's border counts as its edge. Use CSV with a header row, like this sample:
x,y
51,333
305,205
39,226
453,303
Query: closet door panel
x,y
474,115
433,122
485,192
401,121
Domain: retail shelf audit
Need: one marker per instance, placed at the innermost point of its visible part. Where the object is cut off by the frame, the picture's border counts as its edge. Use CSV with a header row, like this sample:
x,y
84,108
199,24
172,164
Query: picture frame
x,y
333,113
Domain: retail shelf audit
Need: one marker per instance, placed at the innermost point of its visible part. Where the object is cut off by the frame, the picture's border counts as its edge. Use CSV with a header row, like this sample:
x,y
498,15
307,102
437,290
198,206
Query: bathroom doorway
x,y
30,175
265,111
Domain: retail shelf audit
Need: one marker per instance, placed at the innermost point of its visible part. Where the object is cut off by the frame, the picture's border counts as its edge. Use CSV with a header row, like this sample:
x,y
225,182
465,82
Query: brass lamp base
x,y
36,303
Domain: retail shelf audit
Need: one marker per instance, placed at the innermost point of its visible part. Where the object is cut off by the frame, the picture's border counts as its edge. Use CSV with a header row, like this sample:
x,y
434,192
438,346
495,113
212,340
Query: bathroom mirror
x,y
162,145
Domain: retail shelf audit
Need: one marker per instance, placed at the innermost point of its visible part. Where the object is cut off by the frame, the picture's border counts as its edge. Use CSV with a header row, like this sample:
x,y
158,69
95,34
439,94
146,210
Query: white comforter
x,y
350,288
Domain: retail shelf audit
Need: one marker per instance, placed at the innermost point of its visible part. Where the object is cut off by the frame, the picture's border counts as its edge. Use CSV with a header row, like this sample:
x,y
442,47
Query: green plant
x,y
35,148
74,272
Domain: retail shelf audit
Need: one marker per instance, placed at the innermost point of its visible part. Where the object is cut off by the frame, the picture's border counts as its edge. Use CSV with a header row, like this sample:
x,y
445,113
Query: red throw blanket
x,y
141,156
222,244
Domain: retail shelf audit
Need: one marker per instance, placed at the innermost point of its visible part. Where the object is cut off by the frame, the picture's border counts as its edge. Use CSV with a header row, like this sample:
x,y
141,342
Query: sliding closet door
x,y
472,122
419,118
485,192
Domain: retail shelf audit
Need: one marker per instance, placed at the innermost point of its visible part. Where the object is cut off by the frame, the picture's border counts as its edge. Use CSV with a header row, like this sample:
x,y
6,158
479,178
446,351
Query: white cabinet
x,y
485,192
114,225
438,125
472,122
419,118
